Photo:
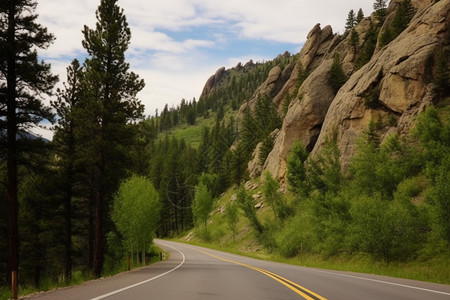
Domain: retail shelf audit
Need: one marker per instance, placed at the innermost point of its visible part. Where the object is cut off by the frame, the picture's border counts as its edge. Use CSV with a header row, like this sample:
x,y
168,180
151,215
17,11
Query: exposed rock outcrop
x,y
400,71
211,83
398,75
304,118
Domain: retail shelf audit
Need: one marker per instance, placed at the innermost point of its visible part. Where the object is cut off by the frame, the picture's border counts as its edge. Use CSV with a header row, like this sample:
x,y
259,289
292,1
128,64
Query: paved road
x,y
199,273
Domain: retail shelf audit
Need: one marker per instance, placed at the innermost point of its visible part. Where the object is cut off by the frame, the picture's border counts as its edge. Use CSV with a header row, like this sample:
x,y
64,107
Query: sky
x,y
176,45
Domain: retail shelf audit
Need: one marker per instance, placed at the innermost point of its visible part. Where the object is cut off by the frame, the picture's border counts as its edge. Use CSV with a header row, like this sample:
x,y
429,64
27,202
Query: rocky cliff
x,y
399,76
391,87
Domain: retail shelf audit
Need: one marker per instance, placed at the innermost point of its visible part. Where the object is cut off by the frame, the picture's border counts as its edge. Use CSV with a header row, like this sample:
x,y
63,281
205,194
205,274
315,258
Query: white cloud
x,y
175,43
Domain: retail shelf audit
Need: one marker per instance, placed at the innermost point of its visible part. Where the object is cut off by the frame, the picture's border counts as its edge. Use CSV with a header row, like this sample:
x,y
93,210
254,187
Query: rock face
x,y
212,82
399,77
304,118
400,71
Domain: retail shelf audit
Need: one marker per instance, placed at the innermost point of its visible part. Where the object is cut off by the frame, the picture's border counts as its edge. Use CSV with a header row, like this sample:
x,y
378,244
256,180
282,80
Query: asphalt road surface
x,y
197,273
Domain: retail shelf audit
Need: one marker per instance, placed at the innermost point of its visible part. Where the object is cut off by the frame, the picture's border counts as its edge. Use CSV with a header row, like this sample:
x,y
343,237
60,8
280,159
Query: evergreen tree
x,y
296,171
109,103
354,39
337,77
368,48
380,8
351,20
403,15
442,77
405,12
23,82
65,147
359,16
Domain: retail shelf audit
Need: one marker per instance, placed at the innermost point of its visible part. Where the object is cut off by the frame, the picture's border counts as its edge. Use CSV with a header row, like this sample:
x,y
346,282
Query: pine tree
x,y
109,103
359,16
442,78
351,20
337,77
380,8
354,39
405,12
23,82
64,145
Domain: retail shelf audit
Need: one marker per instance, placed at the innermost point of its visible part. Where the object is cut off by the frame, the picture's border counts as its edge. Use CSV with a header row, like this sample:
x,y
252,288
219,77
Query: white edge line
x,y
387,282
145,281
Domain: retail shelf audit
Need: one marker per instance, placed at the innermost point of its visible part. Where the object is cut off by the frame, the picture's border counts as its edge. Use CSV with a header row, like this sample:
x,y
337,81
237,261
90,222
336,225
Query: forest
x,y
68,202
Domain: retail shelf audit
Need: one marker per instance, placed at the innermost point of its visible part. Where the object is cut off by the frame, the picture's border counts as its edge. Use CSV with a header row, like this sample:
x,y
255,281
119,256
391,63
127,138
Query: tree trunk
x,y
90,250
11,160
68,229
98,255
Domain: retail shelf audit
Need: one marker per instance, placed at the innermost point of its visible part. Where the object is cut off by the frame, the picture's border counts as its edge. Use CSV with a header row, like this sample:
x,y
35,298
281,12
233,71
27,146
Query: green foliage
x,y
379,170
202,204
439,198
25,82
387,36
380,8
108,105
266,148
287,102
257,127
293,236
296,170
354,39
360,16
351,20
403,15
274,198
368,48
324,171
135,213
337,77
232,215
442,77
388,230
239,160
372,98
245,202
302,74
330,218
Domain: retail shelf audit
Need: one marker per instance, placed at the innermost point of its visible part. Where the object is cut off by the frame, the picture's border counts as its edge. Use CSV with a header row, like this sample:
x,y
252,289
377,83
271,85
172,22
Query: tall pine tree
x,y
23,82
65,147
351,20
109,103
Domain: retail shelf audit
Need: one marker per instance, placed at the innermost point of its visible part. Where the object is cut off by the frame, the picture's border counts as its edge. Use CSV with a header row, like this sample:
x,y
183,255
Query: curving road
x,y
198,273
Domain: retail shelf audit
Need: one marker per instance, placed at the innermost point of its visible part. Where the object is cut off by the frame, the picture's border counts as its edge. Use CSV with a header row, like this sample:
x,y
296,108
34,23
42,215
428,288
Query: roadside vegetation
x,y
387,213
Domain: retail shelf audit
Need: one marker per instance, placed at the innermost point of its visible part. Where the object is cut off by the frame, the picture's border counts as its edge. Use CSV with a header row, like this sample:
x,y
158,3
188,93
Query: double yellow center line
x,y
300,290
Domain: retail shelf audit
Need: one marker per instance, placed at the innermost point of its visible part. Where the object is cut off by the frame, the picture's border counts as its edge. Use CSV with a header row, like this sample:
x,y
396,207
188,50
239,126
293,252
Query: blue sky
x,y
177,44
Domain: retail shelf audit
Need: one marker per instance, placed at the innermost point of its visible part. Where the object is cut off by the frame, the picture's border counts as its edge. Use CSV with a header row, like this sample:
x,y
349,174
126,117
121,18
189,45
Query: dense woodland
x,y
70,201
